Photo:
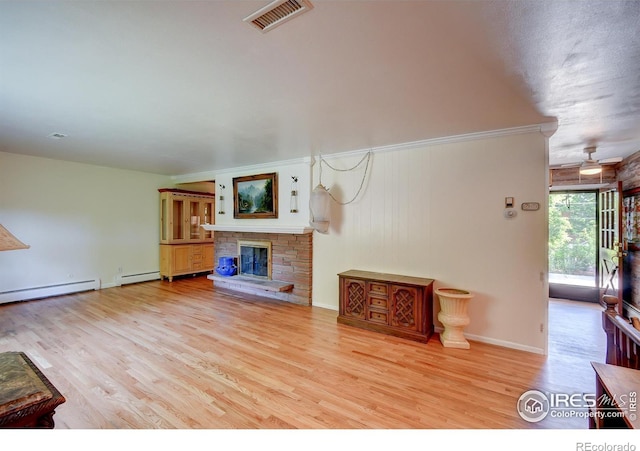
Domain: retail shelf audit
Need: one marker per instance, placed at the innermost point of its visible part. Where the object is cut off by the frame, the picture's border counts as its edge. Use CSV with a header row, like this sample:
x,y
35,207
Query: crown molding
x,y
547,129
252,169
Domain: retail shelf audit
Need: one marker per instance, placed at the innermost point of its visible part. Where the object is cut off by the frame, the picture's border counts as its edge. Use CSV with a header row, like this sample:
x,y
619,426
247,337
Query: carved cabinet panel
x,y
387,303
405,307
355,298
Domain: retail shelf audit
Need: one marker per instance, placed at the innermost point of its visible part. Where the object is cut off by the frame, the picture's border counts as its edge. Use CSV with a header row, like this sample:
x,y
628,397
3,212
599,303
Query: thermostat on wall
x,y
530,206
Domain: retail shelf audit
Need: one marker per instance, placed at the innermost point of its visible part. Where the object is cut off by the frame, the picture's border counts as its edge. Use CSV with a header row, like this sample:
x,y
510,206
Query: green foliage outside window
x,y
572,233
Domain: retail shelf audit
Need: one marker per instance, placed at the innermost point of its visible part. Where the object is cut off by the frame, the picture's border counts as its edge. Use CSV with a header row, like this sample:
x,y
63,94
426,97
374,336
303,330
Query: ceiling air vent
x,y
276,13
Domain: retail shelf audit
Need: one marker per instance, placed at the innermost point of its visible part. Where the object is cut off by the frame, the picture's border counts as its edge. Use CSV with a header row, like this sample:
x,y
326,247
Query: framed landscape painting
x,y
255,196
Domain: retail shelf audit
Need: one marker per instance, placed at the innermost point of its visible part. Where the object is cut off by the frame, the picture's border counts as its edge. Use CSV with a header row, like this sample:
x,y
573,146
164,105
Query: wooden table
x,y
27,398
617,390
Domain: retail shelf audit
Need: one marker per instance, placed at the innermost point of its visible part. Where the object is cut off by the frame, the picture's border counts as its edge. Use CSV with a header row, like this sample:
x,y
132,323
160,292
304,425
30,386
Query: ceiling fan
x,y
591,166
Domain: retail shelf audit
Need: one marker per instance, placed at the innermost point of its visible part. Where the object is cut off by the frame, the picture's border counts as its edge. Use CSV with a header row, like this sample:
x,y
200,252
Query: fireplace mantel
x,y
254,228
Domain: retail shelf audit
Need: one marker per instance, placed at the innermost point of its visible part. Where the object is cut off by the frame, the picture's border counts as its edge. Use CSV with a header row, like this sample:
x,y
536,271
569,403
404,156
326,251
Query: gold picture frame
x,y
255,196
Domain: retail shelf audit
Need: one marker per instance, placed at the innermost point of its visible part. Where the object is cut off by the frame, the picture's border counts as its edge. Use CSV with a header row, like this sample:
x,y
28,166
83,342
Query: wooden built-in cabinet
x,y
180,259
388,303
185,247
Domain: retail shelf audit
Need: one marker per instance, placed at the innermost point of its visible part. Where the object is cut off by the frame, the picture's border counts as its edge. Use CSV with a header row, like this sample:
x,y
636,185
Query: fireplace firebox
x,y
254,259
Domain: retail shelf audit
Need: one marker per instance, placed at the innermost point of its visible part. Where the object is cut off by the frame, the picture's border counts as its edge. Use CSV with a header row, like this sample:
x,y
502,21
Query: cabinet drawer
x,y
377,288
380,302
376,316
196,250
196,257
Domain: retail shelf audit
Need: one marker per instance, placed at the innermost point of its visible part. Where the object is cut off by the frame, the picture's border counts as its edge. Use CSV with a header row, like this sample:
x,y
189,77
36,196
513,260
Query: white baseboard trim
x,y
473,337
502,343
136,278
25,294
327,306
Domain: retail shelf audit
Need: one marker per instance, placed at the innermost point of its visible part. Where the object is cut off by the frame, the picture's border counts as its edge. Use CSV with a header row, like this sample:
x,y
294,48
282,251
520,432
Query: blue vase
x,y
226,267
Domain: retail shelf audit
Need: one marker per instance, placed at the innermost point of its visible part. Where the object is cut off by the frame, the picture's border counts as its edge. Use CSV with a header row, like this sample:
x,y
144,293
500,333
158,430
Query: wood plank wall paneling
x,y
184,355
629,172
438,212
629,175
571,176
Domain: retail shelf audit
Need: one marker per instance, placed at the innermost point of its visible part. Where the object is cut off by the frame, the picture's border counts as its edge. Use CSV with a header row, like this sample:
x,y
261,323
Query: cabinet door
x,y
164,218
166,256
200,212
177,219
172,218
405,307
181,259
355,298
208,257
195,217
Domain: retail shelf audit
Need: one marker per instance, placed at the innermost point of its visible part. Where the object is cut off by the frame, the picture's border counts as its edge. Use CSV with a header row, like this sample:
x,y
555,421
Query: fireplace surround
x,y
254,258
291,262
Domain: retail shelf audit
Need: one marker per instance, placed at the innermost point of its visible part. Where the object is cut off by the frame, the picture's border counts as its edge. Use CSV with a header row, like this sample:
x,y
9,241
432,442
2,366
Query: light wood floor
x,y
181,355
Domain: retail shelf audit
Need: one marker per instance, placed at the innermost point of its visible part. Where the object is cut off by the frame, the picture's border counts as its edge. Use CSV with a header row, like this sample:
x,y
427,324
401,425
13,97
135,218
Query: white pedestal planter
x,y
453,316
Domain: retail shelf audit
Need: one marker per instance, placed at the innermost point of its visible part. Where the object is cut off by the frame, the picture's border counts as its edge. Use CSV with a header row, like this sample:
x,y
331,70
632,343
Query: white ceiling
x,y
177,87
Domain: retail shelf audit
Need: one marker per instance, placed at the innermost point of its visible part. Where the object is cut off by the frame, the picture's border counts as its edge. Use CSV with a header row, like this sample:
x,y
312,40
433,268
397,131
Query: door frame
x,y
576,292
611,242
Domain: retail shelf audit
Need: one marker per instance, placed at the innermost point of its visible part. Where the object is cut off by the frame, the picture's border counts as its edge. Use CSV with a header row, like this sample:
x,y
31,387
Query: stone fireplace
x,y
289,265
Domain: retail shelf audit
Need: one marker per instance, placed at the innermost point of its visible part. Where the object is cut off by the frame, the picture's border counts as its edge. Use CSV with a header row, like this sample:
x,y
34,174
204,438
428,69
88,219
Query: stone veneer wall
x,y
629,172
629,175
559,177
291,261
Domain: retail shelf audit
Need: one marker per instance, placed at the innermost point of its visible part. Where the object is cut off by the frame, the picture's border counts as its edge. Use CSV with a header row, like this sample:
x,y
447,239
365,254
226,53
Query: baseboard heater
x,y
136,278
26,294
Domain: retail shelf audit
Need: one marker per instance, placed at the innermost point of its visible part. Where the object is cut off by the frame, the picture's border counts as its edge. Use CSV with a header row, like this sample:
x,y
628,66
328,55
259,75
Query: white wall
x,y
437,212
433,211
81,221
285,170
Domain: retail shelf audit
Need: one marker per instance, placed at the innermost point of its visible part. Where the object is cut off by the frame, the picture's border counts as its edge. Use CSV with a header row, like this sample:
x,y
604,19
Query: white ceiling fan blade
x,y
569,165
611,160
